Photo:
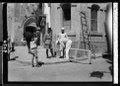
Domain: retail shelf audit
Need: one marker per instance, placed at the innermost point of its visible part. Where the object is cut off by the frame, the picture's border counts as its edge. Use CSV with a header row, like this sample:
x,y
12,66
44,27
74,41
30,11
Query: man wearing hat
x,y
65,42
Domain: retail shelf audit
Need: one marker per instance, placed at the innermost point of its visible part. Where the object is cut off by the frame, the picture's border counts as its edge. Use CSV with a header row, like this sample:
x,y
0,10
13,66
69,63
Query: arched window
x,y
94,10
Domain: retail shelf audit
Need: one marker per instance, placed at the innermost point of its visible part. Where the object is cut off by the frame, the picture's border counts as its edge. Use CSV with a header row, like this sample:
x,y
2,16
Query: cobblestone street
x,y
54,69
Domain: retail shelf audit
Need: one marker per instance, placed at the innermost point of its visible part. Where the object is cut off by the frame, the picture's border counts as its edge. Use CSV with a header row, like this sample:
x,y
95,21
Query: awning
x,y
29,21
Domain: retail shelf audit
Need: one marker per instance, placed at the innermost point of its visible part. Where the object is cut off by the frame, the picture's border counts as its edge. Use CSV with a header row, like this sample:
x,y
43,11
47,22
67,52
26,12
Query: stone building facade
x,y
95,23
65,15
16,14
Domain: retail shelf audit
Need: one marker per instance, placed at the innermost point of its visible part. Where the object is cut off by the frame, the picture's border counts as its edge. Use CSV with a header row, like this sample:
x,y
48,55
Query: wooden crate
x,y
75,44
76,53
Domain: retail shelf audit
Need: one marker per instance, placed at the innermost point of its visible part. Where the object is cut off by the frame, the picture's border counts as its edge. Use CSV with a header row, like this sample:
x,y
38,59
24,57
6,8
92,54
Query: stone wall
x,y
1,23
97,40
75,24
16,15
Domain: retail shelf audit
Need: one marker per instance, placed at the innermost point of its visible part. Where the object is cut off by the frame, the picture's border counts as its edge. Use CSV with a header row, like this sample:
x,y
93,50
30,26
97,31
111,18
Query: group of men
x,y
62,41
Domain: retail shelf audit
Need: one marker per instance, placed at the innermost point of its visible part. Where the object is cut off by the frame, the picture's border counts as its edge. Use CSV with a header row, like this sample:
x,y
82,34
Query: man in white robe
x,y
65,42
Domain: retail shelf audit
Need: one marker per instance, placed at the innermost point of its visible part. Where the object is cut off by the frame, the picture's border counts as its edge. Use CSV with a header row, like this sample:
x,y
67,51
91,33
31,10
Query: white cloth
x,y
47,13
68,46
63,39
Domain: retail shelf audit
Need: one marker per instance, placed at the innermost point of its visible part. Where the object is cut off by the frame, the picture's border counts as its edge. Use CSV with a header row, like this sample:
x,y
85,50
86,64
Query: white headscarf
x,y
62,28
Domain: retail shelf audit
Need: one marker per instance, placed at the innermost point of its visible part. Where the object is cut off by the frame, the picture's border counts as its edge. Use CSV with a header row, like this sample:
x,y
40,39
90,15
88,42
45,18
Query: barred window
x,y
93,20
94,10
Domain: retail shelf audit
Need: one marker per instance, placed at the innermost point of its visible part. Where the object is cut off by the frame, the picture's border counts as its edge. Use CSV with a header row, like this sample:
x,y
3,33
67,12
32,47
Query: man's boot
x,y
51,51
33,62
64,52
37,63
47,53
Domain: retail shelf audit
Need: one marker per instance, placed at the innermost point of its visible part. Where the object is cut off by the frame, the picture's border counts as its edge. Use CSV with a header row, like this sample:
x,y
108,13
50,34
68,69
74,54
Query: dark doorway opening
x,y
66,7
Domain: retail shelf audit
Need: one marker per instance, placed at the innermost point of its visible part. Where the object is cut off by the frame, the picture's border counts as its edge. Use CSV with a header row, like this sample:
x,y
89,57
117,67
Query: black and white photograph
x,y
60,42
1,39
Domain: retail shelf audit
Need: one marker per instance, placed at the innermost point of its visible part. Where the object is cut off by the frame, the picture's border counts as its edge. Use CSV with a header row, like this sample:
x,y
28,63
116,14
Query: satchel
x,y
47,39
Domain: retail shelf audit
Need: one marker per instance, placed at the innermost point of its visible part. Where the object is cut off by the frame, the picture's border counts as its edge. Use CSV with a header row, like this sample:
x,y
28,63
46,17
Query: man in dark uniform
x,y
48,42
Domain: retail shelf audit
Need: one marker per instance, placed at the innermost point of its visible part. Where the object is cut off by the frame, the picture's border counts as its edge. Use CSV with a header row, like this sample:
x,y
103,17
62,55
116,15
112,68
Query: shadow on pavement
x,y
51,63
25,63
41,63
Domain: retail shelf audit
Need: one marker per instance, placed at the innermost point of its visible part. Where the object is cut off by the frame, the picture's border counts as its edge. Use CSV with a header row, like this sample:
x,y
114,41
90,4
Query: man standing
x,y
65,43
48,42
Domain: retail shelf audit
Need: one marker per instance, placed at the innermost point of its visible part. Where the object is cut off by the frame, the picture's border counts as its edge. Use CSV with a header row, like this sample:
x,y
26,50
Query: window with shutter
x,y
94,15
93,20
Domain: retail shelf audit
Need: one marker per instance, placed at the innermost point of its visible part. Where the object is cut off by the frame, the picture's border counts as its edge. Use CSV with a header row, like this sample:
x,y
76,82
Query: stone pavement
x,y
54,69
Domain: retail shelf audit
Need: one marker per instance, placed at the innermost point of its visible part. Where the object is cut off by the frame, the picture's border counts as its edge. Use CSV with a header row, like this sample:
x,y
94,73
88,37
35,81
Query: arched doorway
x,y
29,25
38,23
28,21
66,10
